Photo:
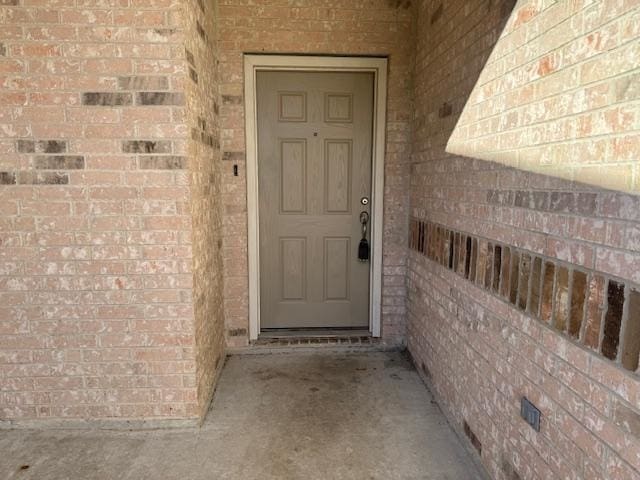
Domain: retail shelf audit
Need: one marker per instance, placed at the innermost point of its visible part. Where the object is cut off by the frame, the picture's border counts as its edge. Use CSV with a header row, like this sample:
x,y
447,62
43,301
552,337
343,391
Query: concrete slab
x,y
296,416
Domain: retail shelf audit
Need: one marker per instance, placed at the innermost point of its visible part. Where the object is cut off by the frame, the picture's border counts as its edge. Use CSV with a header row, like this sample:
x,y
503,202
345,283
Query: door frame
x,y
253,63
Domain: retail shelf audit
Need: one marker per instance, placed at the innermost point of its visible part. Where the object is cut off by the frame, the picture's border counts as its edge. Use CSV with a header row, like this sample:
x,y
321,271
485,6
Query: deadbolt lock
x,y
364,201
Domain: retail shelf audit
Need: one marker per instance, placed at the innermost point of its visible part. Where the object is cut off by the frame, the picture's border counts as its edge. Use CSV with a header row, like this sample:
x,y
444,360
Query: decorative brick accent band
x,y
593,309
44,160
202,135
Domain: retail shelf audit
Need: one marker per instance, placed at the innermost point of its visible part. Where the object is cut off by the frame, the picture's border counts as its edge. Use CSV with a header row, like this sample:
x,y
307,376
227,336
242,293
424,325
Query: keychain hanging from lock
x,y
363,247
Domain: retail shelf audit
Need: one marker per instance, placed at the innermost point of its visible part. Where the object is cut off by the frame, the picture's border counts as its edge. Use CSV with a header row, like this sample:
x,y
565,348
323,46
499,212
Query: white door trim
x,y
377,66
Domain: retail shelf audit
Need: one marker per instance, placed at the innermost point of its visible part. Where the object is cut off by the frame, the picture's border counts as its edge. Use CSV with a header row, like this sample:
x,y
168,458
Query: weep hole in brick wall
x,y
597,311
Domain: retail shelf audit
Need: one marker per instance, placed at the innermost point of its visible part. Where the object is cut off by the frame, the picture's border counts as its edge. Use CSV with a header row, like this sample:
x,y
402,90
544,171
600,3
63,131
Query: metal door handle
x,y
364,220
363,246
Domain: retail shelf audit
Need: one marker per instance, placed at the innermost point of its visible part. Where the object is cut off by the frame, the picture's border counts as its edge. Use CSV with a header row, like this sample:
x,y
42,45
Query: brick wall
x,y
204,153
560,94
378,27
519,284
97,290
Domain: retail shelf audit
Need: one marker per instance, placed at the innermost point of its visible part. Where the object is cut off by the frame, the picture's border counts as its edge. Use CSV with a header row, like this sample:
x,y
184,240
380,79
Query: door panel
x,y
293,255
336,268
314,166
338,107
293,176
337,182
292,107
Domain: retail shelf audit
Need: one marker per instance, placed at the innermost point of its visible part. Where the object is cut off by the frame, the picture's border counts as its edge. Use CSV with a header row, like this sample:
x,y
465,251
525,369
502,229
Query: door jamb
x,y
377,66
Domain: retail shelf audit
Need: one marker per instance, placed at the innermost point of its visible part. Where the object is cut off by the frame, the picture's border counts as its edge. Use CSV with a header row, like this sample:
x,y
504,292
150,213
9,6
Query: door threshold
x,y
317,344
314,332
316,340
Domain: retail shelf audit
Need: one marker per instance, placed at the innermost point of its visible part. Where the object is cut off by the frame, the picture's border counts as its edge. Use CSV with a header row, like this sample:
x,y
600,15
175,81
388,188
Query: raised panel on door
x,y
336,268
338,108
293,176
314,165
293,267
292,106
338,179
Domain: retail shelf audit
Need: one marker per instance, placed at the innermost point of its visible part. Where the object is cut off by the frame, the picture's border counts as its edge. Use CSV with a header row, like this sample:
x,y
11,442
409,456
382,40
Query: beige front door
x,y
314,168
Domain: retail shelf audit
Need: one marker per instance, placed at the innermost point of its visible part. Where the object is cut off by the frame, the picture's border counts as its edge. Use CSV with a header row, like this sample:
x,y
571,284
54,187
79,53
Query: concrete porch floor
x,y
292,416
